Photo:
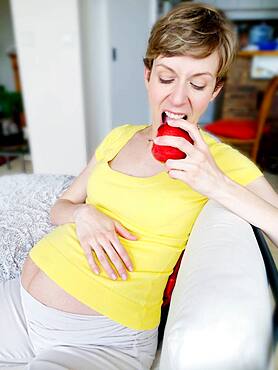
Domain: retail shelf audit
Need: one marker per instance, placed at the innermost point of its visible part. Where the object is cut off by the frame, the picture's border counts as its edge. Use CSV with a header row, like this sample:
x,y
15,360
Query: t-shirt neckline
x,y
131,177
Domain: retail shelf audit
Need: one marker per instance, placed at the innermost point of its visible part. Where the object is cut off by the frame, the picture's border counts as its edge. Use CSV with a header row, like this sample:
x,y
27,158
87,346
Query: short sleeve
x,y
233,163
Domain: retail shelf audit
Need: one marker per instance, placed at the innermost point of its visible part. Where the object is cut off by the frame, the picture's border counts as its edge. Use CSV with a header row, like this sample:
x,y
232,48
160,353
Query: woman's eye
x,y
164,81
197,87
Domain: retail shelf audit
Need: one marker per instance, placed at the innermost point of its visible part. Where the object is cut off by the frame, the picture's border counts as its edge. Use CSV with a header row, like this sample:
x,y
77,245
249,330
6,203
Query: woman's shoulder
x,y
216,146
123,131
231,161
209,138
222,151
116,138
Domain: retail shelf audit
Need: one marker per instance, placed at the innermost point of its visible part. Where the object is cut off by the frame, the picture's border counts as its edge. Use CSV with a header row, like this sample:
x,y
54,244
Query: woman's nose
x,y
179,95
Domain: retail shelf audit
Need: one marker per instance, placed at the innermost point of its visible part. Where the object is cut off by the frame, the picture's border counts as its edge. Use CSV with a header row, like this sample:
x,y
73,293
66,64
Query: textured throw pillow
x,y
25,202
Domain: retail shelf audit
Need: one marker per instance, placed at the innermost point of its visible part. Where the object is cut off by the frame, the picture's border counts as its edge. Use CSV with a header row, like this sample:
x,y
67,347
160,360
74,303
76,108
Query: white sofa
x,y
220,316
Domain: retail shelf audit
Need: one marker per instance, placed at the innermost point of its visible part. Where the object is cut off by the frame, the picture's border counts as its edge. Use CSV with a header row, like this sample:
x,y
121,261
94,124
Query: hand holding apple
x,y
161,152
199,169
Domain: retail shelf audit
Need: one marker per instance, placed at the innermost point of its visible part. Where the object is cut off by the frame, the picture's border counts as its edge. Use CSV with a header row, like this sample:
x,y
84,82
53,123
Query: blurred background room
x,y
70,70
73,69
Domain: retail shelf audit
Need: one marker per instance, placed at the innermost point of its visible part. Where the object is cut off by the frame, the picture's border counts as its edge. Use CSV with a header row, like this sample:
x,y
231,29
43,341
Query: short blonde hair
x,y
196,30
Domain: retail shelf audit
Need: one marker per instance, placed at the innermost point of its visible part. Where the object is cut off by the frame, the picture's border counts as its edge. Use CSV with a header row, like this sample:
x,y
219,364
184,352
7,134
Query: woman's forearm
x,y
248,206
64,211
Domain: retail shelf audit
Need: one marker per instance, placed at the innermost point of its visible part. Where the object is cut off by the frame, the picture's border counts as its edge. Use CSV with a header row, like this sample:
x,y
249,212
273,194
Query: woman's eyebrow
x,y
194,75
201,73
165,66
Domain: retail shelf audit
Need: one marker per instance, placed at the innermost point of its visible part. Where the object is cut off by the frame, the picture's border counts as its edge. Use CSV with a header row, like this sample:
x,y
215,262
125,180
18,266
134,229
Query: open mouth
x,y
172,116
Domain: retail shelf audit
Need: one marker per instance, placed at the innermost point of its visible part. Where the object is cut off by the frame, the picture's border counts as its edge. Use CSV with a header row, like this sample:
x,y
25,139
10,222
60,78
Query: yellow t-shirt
x,y
159,210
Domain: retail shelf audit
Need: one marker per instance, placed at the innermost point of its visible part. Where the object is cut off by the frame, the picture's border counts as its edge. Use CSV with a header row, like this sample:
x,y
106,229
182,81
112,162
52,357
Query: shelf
x,y
253,53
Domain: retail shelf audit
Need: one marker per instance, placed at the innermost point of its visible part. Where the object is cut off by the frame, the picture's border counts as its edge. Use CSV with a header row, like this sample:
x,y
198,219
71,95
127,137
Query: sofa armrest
x,y
220,313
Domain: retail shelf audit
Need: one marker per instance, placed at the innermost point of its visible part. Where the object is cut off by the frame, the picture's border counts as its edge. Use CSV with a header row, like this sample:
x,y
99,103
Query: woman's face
x,y
181,85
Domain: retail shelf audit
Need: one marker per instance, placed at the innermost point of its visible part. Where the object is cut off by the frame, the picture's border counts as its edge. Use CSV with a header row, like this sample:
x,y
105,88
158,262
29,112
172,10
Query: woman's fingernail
x,y
124,277
96,271
130,268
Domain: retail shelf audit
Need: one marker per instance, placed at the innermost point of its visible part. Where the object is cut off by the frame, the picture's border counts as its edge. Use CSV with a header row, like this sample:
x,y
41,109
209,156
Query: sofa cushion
x,y
220,315
25,202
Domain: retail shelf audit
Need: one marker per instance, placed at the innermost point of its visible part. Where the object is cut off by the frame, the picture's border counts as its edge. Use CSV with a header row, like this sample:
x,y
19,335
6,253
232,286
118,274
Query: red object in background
x,y
171,283
235,128
162,152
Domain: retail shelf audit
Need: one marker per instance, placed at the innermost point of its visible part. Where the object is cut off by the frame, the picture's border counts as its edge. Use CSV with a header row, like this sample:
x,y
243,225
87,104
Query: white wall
x,y
48,46
114,91
128,36
6,43
61,102
96,76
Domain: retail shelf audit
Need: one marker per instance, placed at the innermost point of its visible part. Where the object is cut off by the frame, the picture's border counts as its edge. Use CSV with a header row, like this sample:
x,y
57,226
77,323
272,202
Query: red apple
x,y
162,152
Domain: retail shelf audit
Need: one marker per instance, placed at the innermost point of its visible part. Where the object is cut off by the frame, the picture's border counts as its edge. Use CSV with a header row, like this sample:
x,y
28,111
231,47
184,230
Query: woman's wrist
x,y
77,211
248,206
223,188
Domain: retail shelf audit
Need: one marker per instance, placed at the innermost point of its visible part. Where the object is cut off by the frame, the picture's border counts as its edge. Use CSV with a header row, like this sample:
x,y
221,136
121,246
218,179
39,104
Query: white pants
x,y
36,337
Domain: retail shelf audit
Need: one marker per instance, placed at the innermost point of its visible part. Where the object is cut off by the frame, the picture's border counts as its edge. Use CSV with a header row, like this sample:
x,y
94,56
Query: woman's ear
x,y
147,75
216,91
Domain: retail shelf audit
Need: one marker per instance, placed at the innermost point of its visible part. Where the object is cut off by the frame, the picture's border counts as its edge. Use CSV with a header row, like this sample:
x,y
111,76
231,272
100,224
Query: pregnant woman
x,y
90,292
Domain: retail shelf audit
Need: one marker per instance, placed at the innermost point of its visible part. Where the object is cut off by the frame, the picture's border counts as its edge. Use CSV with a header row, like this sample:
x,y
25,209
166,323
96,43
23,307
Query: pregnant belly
x,y
46,291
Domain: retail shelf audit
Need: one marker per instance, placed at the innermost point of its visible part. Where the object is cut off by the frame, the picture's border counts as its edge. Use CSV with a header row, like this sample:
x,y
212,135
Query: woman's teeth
x,y
171,115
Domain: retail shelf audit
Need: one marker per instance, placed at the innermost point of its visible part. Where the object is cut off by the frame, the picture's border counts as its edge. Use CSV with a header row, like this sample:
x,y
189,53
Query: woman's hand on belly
x,y
98,237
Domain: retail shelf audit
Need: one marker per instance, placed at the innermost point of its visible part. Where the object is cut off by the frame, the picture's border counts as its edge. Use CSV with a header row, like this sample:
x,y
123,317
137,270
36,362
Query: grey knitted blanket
x,y
25,202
